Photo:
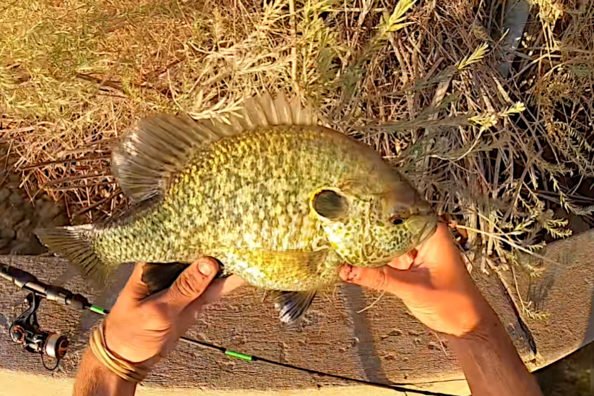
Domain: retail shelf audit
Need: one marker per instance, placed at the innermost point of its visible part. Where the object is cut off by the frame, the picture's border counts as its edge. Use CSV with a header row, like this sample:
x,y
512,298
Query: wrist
x,y
94,378
460,312
117,343
117,364
490,361
486,320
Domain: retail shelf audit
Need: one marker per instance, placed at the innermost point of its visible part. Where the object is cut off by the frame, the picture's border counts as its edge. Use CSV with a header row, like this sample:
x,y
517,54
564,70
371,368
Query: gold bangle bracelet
x,y
128,371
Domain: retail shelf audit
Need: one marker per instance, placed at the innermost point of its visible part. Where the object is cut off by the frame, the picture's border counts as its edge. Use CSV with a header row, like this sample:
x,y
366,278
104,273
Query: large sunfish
x,y
278,199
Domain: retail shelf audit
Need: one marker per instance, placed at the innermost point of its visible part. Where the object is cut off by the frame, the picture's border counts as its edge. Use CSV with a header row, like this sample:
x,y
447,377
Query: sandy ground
x,y
26,384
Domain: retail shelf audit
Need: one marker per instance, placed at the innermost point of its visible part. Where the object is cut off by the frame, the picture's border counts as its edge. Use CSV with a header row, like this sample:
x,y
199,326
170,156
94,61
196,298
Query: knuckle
x,y
191,283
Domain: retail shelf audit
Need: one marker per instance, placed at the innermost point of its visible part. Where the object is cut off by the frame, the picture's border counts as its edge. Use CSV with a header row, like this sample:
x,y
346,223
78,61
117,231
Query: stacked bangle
x,y
122,368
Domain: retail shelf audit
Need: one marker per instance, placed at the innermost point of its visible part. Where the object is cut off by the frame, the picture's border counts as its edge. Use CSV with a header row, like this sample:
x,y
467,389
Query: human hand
x,y
433,283
142,329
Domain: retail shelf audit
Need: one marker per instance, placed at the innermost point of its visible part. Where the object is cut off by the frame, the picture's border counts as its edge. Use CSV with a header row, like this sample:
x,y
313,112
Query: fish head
x,y
368,223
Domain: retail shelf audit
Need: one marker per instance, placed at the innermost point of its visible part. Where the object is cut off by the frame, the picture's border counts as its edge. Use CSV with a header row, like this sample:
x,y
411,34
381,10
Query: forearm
x,y
94,379
490,361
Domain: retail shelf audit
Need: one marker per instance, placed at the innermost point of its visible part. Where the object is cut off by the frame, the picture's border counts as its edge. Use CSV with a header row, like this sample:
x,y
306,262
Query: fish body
x,y
282,202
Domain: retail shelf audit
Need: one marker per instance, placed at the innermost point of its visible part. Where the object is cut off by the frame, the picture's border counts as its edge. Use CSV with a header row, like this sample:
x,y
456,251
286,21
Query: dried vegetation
x,y
507,158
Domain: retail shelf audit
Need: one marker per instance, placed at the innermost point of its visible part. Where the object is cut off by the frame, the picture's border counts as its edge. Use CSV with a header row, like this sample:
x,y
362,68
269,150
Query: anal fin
x,y
292,305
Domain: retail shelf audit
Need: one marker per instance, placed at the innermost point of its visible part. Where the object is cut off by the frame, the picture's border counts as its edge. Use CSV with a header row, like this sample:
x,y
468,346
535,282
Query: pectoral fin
x,y
292,305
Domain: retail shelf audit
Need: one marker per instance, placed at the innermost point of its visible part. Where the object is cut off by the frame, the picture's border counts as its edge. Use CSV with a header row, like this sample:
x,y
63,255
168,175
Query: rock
x,y
20,248
39,203
13,217
34,247
19,217
25,223
27,209
4,193
42,206
53,211
60,219
30,246
45,211
23,230
16,198
7,233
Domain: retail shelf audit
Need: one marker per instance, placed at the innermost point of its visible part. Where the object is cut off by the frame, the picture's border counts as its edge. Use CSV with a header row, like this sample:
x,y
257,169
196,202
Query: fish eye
x,y
396,220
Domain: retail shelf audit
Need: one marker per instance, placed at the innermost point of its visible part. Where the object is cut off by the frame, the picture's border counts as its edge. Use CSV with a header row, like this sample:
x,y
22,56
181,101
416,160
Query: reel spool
x,y
25,330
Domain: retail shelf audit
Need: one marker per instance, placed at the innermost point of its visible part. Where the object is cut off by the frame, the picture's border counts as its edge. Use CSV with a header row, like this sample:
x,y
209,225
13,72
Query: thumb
x,y
402,283
191,283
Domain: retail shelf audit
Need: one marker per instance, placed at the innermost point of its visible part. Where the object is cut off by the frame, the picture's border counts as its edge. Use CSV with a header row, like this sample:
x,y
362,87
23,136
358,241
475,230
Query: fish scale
x,y
281,201
222,208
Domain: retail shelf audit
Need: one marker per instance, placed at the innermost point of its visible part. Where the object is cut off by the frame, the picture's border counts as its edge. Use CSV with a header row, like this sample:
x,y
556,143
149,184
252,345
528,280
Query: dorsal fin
x,y
161,145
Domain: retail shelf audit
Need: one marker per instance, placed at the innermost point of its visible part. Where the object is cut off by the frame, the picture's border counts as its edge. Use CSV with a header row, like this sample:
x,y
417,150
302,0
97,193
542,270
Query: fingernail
x,y
205,268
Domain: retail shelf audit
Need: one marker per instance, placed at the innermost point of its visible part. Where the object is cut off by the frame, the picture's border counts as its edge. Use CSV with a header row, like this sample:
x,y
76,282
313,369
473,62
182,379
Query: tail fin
x,y
76,244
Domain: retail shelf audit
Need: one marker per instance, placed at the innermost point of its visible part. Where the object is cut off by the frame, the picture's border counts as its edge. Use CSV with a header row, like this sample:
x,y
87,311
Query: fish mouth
x,y
426,226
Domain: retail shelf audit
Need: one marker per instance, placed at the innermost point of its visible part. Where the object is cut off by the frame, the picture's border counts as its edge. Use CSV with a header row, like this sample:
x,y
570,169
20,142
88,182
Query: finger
x,y
440,244
135,288
216,291
398,282
404,261
220,288
190,284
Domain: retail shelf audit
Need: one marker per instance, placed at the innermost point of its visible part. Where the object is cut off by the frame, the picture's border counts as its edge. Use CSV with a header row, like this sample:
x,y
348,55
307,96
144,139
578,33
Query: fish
x,y
276,197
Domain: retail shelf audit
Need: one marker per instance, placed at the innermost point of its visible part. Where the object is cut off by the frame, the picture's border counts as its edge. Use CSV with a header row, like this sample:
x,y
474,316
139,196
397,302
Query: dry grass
x,y
418,80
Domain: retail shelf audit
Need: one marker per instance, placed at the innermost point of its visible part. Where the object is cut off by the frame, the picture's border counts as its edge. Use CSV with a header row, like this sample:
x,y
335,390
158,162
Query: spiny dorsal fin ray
x,y
161,145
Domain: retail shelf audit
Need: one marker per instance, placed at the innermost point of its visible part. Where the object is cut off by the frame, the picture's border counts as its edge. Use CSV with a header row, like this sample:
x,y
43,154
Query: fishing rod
x,y
26,331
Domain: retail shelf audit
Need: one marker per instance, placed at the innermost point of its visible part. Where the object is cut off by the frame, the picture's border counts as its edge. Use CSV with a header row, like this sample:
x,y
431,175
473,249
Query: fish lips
x,y
423,226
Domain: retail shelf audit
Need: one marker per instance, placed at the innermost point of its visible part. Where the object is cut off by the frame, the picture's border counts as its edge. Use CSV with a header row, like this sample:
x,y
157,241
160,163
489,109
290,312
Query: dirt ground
x,y
20,215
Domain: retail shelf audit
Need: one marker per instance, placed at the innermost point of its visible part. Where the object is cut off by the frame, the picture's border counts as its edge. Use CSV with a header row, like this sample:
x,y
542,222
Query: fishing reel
x,y
25,330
